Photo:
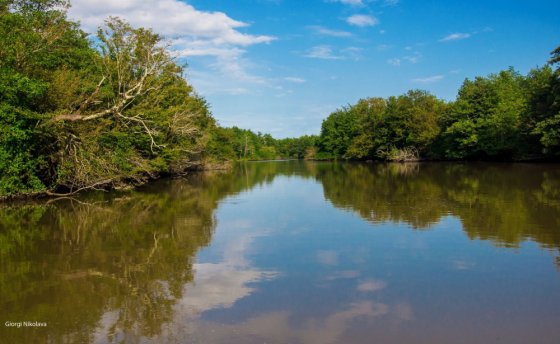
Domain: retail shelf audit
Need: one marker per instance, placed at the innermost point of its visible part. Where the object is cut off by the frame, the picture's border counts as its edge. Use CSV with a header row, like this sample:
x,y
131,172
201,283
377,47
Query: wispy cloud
x,y
457,36
362,20
371,285
328,32
428,80
294,79
349,2
324,52
413,58
353,53
384,47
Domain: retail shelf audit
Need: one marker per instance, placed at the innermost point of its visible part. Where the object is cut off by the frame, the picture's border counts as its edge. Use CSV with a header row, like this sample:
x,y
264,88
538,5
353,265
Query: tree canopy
x,y
504,116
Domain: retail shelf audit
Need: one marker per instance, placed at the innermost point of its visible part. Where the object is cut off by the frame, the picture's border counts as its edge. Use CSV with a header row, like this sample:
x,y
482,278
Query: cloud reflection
x,y
280,327
220,285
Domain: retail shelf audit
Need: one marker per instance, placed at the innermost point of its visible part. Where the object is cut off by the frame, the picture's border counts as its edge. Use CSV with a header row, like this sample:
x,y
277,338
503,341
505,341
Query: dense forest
x,y
243,144
105,111
79,112
505,116
114,109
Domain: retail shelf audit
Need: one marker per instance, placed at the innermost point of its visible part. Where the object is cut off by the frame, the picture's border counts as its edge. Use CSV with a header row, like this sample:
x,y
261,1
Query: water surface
x,y
292,252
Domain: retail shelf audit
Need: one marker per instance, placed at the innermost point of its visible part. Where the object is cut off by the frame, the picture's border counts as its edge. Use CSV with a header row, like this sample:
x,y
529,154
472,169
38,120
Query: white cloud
x,y
350,2
328,32
171,18
294,79
455,37
191,32
428,80
324,52
394,61
362,20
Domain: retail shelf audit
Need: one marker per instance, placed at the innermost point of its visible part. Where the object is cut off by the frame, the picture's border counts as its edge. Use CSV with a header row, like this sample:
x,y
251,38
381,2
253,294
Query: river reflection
x,y
292,252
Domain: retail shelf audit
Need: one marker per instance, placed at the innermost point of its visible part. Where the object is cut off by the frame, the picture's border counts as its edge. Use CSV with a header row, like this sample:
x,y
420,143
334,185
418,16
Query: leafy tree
x,y
75,114
485,119
338,130
545,108
36,40
377,128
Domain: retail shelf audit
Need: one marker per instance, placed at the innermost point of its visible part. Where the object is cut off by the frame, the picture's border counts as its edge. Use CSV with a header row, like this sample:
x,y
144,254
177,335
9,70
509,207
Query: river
x,y
292,252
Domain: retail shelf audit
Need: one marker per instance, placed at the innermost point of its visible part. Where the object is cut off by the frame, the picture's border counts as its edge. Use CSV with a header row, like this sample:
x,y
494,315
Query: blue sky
x,y
281,66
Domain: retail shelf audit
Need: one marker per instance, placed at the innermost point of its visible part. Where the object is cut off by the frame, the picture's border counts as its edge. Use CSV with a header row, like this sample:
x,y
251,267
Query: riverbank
x,y
115,184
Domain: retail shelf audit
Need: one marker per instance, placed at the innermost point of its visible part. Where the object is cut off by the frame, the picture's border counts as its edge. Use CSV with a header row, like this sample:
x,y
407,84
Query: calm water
x,y
293,252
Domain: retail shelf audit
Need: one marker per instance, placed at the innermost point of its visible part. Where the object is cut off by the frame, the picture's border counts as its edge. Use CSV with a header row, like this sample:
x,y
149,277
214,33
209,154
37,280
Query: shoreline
x,y
131,184
113,185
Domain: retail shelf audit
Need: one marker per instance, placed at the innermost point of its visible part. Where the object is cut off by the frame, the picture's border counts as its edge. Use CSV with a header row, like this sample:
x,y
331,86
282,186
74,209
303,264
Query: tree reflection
x,y
500,202
117,263
72,262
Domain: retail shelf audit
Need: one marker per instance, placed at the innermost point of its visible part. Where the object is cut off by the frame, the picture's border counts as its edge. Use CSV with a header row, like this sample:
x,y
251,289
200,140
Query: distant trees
x,y
506,116
243,144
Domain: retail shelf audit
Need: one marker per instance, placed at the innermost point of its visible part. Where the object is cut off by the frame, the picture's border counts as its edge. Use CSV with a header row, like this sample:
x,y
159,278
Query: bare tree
x,y
133,62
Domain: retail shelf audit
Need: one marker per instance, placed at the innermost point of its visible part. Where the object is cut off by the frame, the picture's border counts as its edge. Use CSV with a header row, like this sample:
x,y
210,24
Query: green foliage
x,y
36,41
338,130
543,117
77,113
242,144
74,114
485,120
23,167
378,128
549,129
302,147
505,116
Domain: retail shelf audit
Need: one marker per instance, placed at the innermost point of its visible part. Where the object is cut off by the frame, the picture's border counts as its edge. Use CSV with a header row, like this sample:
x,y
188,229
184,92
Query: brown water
x,y
292,252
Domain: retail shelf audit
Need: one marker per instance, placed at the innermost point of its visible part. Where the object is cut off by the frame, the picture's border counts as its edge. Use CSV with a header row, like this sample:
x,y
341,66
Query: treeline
x,y
505,116
243,144
79,112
